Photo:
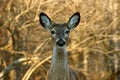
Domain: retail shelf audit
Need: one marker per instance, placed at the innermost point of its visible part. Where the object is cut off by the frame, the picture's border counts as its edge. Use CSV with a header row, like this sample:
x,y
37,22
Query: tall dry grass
x,y
25,48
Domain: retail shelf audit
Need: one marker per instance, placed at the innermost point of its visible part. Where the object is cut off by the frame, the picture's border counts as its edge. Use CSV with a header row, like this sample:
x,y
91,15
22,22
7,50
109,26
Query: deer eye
x,y
52,32
67,32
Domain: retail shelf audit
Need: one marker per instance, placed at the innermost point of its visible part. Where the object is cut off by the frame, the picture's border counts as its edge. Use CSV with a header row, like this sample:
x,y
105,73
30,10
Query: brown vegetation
x,y
25,48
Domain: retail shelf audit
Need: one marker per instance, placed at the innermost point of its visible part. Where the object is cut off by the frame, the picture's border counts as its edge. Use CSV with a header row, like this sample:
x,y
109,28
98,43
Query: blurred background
x,y
26,48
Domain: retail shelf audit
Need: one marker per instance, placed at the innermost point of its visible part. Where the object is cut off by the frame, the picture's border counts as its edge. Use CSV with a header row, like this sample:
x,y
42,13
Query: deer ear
x,y
74,20
45,21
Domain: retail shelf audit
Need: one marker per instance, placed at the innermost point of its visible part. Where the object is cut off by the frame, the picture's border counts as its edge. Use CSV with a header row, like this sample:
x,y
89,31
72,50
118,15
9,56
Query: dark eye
x,y
52,32
67,32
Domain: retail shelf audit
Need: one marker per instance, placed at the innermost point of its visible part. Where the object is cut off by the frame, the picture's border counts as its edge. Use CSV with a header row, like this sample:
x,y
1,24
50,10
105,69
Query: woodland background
x,y
25,47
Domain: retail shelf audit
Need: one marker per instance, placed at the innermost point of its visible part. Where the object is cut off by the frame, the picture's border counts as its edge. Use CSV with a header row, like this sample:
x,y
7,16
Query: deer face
x,y
59,32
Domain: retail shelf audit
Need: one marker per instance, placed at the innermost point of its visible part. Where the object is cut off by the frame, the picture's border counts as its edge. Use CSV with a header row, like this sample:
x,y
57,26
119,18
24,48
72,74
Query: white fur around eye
x,y
66,32
53,33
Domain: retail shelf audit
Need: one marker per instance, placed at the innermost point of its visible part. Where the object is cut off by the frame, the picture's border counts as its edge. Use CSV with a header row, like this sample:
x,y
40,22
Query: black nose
x,y
60,42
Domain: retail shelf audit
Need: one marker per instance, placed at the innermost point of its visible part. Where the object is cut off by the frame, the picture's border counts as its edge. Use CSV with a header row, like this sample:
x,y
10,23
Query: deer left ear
x,y
74,20
45,21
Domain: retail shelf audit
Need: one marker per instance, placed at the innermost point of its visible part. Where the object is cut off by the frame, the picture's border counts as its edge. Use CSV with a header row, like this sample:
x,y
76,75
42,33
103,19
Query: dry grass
x,y
25,48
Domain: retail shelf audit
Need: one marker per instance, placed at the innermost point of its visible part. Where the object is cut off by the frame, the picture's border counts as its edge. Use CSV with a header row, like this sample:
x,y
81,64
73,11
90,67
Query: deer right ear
x,y
74,20
45,21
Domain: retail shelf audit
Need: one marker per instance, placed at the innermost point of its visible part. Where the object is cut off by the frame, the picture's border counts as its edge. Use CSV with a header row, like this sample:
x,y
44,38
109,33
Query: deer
x,y
59,69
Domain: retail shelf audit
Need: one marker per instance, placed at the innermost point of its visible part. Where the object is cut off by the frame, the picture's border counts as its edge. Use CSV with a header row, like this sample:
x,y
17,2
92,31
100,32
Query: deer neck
x,y
59,66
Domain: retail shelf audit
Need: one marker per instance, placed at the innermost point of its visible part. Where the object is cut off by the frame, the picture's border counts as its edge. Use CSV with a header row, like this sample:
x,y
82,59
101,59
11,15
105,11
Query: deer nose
x,y
60,42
